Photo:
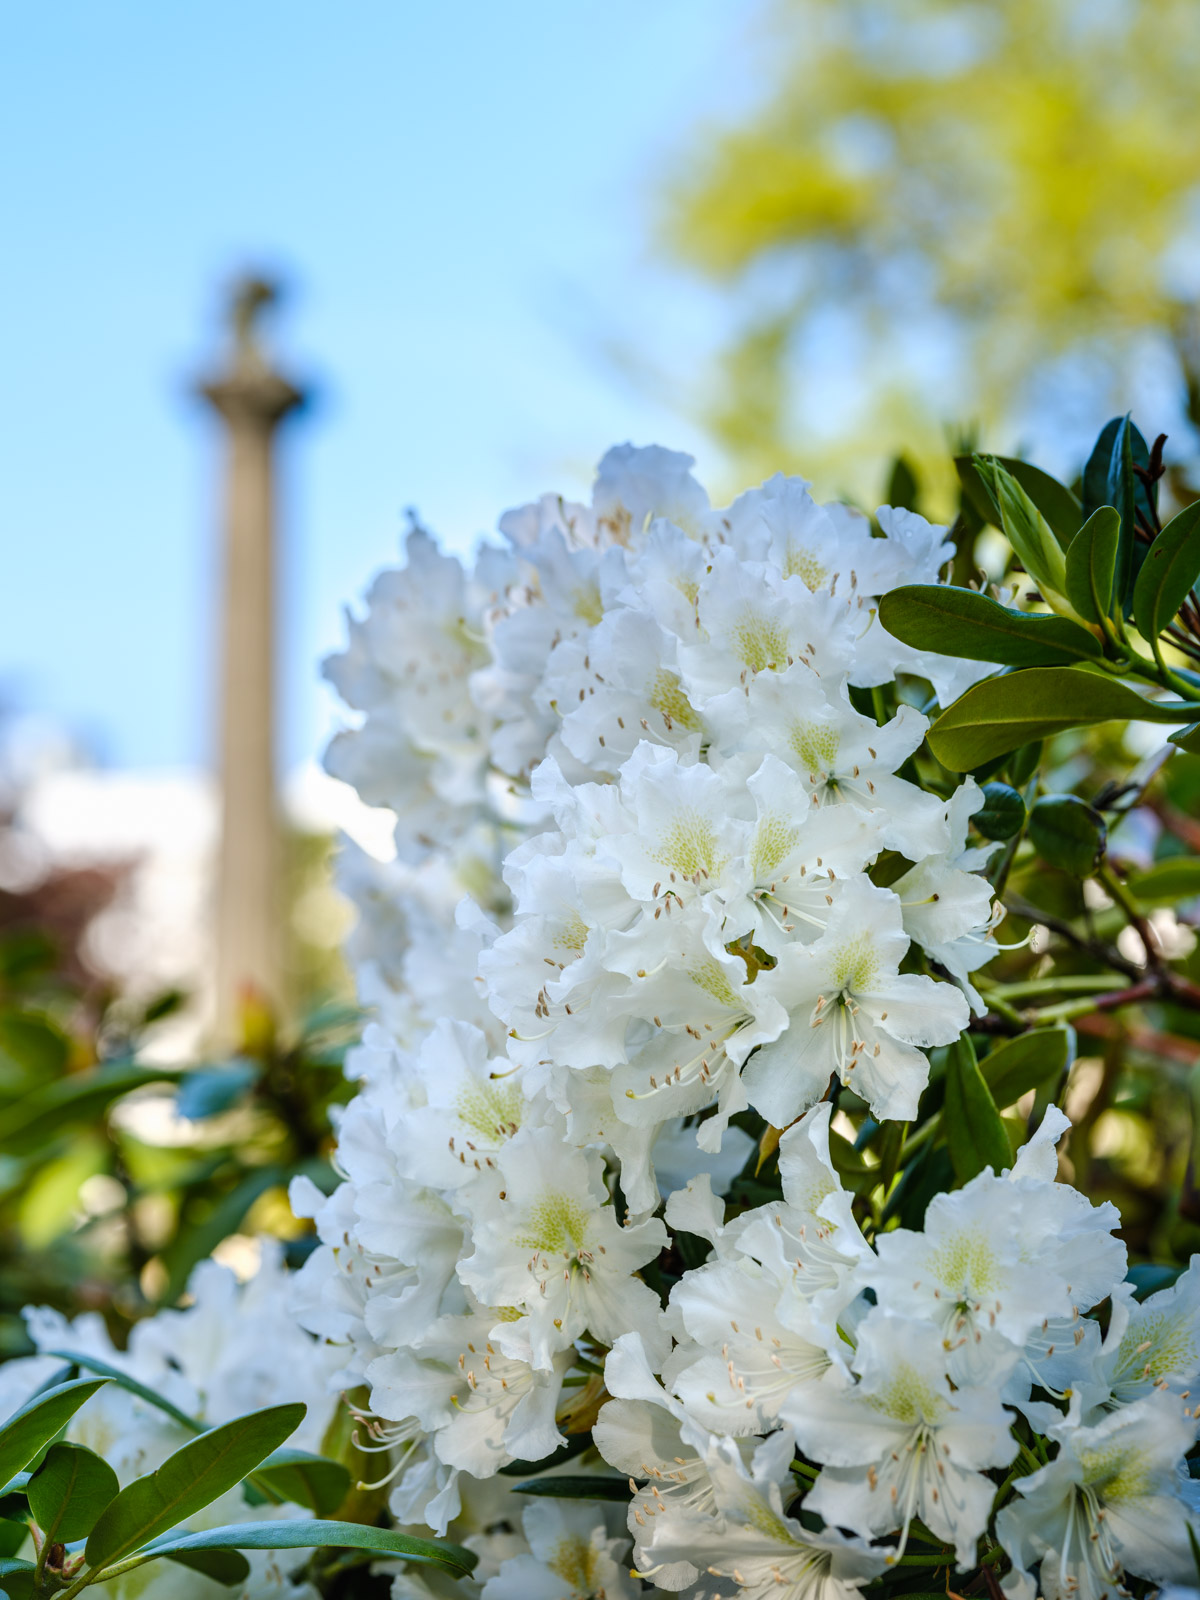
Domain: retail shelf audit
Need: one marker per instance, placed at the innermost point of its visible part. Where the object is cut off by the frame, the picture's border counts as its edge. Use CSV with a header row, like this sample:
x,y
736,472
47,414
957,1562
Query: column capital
x,y
250,393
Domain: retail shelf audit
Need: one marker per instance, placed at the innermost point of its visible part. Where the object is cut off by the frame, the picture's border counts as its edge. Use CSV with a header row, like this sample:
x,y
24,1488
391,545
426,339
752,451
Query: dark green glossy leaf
x,y
974,1129
1095,474
1068,833
313,1534
306,1480
69,1491
1176,878
1022,763
577,1486
961,622
902,489
576,1444
1002,814
1054,500
1000,714
1027,1062
188,1481
223,1566
28,1430
1092,564
1121,492
1169,571
1187,738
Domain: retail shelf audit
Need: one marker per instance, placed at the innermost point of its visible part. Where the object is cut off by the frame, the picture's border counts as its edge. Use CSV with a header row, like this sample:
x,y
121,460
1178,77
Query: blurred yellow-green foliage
x,y
1017,177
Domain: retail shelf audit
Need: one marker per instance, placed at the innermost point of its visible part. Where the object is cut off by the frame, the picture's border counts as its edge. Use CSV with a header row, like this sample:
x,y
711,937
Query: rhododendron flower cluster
x,y
670,900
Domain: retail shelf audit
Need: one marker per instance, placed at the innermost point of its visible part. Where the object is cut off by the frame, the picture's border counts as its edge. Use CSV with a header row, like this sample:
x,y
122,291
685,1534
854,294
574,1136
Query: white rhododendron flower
x,y
681,922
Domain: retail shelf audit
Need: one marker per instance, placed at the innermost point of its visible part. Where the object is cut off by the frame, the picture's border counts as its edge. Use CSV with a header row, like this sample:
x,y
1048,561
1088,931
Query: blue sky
x,y
460,196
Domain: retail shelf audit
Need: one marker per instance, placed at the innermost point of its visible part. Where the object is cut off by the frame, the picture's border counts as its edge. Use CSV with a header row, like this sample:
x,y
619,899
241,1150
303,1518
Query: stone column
x,y
252,400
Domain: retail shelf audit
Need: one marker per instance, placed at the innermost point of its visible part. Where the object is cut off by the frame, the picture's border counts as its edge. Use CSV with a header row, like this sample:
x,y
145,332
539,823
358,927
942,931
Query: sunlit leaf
x,y
962,622
188,1481
69,1491
1092,564
1000,714
311,1534
28,1430
1169,571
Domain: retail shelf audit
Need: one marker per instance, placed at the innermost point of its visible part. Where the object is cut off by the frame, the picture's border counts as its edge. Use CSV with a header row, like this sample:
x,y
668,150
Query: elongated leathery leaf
x,y
36,1423
974,1129
69,1491
1001,714
577,1486
1092,564
1168,573
304,1533
1027,1062
188,1481
960,622
1121,492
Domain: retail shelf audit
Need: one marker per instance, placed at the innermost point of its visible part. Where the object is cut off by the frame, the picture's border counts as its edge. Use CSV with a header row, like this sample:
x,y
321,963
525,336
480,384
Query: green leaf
x,y
188,1481
1025,528
1068,833
13,1535
1002,814
1092,564
974,1129
33,1044
1170,568
961,622
223,1566
16,1578
1002,713
313,1534
1121,492
903,489
77,1098
306,1480
1027,1062
1055,502
577,1486
197,1240
94,1364
38,1420
1095,474
1023,763
69,1491
576,1444
1176,878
